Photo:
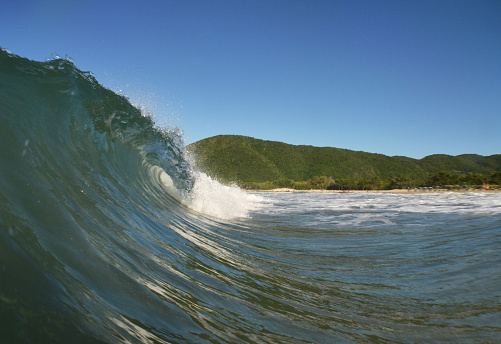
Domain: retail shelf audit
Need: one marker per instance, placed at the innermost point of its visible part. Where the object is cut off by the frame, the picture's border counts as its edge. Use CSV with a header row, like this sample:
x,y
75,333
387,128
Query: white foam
x,y
215,199
210,197
481,203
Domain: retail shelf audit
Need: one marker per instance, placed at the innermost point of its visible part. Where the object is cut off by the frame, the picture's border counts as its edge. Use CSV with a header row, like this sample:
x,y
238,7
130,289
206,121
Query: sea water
x,y
107,235
380,267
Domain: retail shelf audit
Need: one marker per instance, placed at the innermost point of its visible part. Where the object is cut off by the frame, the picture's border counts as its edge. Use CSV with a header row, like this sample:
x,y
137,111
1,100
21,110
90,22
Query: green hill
x,y
240,158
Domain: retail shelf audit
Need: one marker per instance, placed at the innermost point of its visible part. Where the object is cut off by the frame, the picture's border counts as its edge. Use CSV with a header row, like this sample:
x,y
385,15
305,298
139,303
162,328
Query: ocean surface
x,y
108,235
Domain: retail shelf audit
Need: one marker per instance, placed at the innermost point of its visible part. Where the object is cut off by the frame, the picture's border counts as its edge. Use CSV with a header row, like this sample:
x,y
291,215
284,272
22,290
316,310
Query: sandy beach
x,y
397,191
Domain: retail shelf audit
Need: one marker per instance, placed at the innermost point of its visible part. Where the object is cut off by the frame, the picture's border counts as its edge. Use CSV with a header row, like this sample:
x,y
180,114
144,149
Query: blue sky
x,y
408,78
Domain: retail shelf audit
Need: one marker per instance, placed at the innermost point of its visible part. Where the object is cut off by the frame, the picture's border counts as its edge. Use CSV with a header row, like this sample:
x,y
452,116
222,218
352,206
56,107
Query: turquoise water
x,y
108,236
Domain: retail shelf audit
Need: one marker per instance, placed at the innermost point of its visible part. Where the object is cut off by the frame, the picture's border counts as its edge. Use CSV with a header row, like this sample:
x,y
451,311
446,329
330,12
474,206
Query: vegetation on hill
x,y
256,163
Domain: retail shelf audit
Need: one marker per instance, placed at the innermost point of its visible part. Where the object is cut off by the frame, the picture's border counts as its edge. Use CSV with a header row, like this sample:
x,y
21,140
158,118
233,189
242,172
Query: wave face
x,y
101,224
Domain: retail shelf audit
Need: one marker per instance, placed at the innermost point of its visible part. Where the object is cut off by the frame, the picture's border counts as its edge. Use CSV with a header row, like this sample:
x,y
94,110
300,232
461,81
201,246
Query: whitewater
x,y
109,235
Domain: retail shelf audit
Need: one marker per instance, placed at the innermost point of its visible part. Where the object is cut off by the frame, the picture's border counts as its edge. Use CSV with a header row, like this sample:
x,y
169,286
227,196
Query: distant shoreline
x,y
395,191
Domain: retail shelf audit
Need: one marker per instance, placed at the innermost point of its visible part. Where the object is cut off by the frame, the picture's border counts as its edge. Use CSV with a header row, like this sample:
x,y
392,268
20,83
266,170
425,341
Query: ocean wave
x,y
92,194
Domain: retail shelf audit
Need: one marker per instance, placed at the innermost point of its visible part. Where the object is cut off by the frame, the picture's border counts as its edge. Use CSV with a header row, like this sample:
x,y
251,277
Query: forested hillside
x,y
233,158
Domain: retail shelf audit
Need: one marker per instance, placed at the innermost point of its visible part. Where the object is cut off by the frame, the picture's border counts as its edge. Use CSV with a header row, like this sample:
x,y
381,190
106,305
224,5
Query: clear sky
x,y
408,78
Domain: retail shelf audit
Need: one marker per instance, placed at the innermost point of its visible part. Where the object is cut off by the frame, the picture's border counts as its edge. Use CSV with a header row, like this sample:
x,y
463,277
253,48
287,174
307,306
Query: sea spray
x,y
210,197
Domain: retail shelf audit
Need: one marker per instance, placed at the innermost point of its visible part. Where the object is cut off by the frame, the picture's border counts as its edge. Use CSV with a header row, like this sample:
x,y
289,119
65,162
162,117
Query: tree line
x,y
442,179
